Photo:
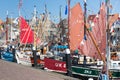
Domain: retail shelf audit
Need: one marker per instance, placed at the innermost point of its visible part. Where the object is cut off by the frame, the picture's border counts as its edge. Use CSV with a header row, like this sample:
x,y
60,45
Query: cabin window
x,y
114,64
119,64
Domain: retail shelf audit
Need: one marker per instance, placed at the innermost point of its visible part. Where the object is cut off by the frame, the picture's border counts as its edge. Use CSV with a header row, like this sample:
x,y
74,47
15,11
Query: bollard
x,y
68,62
85,61
13,52
34,57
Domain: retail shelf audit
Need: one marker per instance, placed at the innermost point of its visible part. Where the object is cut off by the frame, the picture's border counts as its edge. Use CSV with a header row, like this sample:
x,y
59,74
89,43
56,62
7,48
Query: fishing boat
x,y
6,54
90,40
24,53
28,52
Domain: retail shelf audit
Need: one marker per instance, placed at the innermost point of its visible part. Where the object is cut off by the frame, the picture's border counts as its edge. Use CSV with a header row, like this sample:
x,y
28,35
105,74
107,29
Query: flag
x,y
85,37
26,33
66,10
20,4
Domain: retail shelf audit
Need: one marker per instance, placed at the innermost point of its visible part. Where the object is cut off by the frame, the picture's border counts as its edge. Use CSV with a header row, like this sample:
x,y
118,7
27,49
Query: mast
x,y
108,38
35,26
68,21
68,56
19,14
60,14
61,24
11,27
19,6
45,29
85,16
7,28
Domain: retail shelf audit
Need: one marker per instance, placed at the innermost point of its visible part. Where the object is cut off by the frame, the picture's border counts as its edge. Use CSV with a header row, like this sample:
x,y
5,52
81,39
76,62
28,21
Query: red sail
x,y
76,27
98,26
102,24
26,33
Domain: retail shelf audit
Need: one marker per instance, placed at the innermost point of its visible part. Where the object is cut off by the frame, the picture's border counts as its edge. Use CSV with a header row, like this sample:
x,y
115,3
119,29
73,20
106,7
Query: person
x,y
103,75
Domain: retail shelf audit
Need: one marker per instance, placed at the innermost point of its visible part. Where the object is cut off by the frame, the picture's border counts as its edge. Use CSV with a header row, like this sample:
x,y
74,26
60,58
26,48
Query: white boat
x,y
24,58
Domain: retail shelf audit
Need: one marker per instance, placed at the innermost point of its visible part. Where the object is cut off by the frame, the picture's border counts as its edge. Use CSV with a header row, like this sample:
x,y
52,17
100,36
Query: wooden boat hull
x,y
89,72
85,71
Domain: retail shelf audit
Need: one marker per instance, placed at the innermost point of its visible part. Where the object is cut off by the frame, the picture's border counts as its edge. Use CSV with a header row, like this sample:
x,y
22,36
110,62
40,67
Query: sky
x,y
10,7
